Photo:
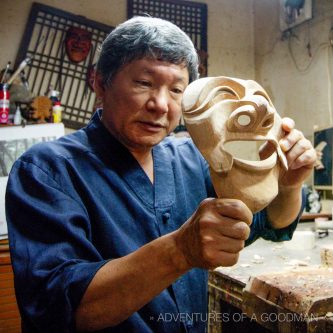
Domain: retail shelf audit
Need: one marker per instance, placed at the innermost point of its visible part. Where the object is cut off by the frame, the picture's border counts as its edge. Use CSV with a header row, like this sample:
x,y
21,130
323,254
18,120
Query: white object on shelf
x,y
18,116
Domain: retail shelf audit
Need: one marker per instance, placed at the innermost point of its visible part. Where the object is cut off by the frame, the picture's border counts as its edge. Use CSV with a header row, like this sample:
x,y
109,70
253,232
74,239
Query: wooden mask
x,y
78,44
218,110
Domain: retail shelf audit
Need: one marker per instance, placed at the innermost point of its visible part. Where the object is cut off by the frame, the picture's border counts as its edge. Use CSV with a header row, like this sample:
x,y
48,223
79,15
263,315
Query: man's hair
x,y
149,37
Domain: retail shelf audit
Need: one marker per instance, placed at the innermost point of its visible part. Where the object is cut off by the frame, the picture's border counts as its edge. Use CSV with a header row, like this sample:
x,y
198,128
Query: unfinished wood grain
x,y
326,256
307,291
218,110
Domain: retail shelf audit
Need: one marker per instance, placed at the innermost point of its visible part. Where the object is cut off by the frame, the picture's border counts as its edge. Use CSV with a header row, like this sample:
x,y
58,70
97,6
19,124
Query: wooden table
x,y
312,216
10,321
233,309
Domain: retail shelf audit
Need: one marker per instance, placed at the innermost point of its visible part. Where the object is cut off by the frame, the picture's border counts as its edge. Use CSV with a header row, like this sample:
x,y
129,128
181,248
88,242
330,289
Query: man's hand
x,y
299,152
215,234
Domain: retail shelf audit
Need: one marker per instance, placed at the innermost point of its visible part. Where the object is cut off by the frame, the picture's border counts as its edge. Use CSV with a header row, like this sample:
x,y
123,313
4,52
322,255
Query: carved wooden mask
x,y
218,110
78,44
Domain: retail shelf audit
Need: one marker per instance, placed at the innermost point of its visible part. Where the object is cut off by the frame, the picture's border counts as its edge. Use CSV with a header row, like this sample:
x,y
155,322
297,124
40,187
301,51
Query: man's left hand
x,y
300,154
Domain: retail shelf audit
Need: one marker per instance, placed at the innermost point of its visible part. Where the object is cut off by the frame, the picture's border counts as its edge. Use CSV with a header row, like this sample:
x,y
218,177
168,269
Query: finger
x,y
298,150
213,258
223,243
307,160
221,258
233,208
288,124
217,226
288,141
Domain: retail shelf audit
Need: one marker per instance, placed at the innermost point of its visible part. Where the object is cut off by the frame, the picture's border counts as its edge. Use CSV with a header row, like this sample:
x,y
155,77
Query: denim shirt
x,y
75,203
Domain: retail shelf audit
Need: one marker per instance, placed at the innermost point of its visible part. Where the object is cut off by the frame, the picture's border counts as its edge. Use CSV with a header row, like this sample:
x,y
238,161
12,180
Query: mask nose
x,y
254,114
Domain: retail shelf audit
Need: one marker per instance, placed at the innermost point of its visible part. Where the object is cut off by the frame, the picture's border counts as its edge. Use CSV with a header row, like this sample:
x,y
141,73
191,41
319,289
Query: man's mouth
x,y
152,126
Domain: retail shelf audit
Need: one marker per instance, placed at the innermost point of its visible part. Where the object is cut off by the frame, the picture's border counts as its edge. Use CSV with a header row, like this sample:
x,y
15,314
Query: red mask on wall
x,y
78,44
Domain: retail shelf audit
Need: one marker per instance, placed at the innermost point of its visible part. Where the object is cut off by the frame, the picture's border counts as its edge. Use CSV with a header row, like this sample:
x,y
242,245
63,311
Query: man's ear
x,y
99,86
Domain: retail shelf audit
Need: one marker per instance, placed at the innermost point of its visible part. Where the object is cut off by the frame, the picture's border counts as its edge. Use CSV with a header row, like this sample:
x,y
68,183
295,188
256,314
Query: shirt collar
x,y
159,195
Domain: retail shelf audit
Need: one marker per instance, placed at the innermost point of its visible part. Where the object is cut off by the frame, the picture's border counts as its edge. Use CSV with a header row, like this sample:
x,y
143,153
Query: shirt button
x,y
165,217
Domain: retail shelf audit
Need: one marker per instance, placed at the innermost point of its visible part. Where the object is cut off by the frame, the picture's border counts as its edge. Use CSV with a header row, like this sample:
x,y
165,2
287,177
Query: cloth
x,y
77,202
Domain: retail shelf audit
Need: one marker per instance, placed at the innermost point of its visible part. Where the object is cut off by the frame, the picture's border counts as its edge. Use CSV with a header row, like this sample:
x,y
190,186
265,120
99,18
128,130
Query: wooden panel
x,y
304,291
10,320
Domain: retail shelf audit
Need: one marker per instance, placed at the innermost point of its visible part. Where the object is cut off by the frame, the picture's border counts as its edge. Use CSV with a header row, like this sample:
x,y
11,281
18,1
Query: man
x,y
110,227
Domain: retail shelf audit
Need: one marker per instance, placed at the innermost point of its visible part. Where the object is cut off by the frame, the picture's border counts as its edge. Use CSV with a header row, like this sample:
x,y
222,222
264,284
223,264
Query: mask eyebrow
x,y
263,94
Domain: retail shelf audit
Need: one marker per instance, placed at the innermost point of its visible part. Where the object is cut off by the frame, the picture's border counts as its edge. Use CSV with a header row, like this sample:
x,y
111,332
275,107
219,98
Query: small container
x,y
17,116
54,96
4,103
56,112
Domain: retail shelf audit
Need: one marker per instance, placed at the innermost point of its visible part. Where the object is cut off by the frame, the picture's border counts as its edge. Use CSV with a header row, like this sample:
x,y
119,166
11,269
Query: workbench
x,y
234,308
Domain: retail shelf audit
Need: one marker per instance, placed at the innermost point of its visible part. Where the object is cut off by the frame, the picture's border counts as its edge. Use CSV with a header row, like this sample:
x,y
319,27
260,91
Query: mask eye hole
x,y
243,120
268,123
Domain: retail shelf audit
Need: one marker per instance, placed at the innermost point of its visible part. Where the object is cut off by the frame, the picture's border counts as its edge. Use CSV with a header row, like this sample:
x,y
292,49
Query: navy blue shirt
x,y
75,203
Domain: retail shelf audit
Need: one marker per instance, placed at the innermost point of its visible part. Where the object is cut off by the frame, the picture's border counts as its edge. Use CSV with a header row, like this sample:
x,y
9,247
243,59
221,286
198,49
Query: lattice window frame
x,y
190,16
43,40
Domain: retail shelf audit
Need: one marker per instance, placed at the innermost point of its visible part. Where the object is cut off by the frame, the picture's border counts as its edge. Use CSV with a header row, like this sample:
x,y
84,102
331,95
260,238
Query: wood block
x,y
220,110
42,106
326,255
304,291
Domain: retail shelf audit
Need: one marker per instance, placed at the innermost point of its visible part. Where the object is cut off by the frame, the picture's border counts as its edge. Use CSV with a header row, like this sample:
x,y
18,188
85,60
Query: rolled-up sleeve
x,y
52,257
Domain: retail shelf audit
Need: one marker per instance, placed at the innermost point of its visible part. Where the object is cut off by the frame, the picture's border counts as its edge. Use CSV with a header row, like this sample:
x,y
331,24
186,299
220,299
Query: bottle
x,y
17,116
56,112
54,96
4,103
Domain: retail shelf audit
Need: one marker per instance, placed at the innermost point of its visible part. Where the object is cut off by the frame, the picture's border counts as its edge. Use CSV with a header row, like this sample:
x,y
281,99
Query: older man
x,y
110,227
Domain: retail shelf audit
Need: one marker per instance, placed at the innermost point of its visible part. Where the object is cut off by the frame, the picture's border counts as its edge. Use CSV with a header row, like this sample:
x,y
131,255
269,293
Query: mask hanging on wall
x,y
78,44
218,110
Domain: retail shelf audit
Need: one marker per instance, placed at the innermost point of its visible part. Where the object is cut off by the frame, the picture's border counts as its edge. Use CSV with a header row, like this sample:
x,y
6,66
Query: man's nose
x,y
255,114
158,101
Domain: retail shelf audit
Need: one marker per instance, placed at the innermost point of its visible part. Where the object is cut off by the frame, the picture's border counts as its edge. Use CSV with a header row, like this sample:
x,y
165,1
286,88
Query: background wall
x,y
296,68
230,41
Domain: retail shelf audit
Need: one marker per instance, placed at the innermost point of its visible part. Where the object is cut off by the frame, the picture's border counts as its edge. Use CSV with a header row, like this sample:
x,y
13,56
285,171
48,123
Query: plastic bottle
x,y
56,112
17,116
54,96
4,103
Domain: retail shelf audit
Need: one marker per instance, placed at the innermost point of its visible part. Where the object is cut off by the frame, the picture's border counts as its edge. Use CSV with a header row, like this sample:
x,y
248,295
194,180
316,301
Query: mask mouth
x,y
241,159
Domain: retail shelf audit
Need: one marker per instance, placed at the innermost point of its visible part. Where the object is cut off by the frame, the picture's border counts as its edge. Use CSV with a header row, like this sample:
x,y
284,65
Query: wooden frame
x,y
43,43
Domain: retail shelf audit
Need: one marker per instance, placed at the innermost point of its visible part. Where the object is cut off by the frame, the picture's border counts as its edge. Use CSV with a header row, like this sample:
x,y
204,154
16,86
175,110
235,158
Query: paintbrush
x,y
20,68
3,80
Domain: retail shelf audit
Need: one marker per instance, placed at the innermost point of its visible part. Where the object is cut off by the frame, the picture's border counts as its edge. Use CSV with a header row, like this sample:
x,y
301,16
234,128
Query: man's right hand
x,y
215,234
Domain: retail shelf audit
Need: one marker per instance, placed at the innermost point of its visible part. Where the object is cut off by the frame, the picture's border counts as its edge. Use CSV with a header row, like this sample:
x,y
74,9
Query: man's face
x,y
142,105
78,44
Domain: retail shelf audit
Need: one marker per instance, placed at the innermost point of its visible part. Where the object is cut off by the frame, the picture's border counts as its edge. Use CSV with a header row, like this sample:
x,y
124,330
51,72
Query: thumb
x,y
288,124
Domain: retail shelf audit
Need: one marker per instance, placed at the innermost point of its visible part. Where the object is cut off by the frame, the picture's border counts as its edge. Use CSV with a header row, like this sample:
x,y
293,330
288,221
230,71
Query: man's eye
x,y
143,83
177,90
